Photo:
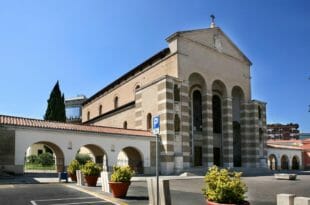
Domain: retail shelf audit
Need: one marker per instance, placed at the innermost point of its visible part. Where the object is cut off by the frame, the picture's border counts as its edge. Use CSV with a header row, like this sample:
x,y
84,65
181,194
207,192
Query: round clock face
x,y
218,43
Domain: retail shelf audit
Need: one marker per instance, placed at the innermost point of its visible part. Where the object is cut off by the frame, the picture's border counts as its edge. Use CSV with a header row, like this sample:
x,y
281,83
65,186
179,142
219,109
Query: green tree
x,y
56,105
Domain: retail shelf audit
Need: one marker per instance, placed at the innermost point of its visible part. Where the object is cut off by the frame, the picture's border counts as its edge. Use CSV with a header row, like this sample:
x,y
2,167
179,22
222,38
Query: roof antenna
x,y
212,25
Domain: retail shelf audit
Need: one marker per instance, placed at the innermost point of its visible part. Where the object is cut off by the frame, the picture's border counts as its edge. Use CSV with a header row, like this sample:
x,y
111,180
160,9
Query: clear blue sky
x,y
86,44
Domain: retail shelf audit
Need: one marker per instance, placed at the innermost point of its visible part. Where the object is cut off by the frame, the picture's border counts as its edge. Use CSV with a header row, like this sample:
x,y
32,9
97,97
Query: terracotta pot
x,y
91,180
73,177
215,203
119,189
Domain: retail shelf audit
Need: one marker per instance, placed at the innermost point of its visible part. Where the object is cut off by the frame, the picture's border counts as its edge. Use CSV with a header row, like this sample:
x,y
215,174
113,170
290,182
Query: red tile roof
x,y
27,122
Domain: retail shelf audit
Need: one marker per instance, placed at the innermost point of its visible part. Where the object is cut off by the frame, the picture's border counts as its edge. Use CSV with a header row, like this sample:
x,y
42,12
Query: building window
x,y
100,109
176,123
217,114
125,125
197,110
176,93
88,115
149,121
115,102
137,87
259,112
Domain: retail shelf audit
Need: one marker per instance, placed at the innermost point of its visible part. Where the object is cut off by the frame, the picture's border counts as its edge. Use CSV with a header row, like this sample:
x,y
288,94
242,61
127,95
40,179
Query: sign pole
x,y
157,170
156,131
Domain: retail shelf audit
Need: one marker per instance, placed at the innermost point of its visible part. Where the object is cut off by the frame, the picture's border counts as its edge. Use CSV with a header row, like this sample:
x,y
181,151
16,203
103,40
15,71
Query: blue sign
x,y
156,125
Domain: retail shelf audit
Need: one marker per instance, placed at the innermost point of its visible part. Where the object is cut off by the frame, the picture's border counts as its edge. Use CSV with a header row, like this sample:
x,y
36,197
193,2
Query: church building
x,y
200,86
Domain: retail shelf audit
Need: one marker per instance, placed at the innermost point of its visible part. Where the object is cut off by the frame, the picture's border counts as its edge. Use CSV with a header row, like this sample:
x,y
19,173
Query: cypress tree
x,y
56,106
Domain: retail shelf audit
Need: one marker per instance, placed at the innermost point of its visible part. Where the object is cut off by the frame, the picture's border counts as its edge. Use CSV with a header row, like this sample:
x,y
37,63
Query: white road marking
x,y
61,199
6,186
84,202
33,202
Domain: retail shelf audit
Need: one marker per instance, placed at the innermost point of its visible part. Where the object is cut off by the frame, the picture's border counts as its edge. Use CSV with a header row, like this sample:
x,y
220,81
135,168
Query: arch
x,y
98,155
88,115
259,110
57,152
295,163
176,123
237,100
100,109
284,162
137,87
125,125
219,92
132,157
115,102
272,162
219,88
197,89
176,93
149,121
197,110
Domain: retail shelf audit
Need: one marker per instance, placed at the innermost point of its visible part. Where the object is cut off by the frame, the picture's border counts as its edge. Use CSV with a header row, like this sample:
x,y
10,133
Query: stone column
x,y
209,134
227,133
185,123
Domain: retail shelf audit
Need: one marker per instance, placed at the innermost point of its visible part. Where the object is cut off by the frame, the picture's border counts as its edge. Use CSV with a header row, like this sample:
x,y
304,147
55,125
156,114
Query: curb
x,y
101,196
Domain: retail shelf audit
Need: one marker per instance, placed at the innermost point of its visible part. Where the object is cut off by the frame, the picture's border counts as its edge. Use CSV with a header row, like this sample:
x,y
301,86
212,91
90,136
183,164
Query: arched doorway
x,y
197,90
44,156
295,163
272,162
237,99
284,162
219,93
95,153
132,157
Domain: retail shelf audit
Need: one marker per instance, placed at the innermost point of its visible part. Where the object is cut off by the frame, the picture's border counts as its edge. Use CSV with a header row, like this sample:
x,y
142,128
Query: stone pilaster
x,y
185,124
166,112
209,128
227,133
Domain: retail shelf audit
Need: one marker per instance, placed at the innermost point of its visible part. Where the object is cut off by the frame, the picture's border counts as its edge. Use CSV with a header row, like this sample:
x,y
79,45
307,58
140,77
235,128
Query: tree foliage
x,y
56,106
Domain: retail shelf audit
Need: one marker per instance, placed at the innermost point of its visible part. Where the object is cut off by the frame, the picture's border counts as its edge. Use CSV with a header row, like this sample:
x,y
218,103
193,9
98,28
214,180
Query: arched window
x,y
217,114
88,115
176,93
115,102
176,123
125,125
100,109
149,121
284,162
137,87
197,110
259,112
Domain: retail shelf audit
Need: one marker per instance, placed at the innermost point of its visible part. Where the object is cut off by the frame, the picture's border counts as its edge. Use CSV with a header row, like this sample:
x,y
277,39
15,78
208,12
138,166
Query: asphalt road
x,y
262,190
45,194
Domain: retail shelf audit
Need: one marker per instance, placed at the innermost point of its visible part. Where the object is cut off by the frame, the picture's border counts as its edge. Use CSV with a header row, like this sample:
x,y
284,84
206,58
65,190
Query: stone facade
x,y
200,88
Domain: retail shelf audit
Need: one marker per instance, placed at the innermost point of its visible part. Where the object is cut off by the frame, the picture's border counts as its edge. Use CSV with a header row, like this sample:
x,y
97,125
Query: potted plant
x,y
91,172
73,166
224,187
120,180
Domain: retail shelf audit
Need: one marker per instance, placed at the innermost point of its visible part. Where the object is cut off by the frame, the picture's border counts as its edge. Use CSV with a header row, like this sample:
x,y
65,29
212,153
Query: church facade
x,y
200,86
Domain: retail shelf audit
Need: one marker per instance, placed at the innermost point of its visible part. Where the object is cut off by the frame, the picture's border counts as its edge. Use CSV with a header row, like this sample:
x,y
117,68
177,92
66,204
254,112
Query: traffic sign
x,y
156,125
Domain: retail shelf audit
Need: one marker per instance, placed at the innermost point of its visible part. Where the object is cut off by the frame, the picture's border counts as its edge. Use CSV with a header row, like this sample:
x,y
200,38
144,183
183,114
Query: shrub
x,y
46,159
73,166
33,159
122,174
91,169
82,158
223,186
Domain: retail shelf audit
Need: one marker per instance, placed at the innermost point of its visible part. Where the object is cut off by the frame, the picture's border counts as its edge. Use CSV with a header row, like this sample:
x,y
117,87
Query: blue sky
x,y
87,44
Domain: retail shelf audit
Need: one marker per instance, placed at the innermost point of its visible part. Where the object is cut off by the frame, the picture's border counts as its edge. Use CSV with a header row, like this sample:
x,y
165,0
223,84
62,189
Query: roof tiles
x,y
27,122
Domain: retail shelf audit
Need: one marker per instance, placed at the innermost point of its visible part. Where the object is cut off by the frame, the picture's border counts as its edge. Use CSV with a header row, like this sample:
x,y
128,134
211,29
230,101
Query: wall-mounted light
x,y
69,145
112,148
